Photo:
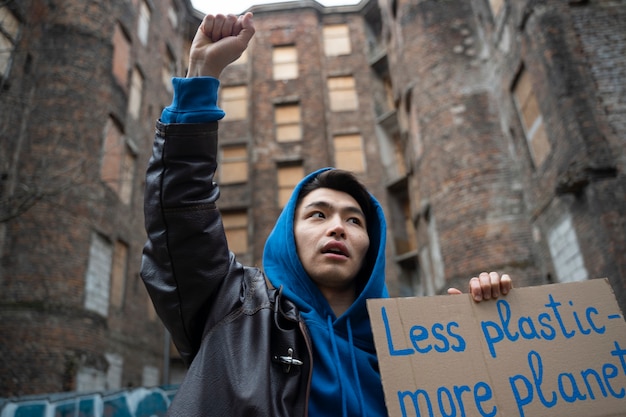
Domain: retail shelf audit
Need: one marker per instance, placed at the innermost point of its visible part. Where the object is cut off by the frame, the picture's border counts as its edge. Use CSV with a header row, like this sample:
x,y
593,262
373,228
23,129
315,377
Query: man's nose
x,y
336,227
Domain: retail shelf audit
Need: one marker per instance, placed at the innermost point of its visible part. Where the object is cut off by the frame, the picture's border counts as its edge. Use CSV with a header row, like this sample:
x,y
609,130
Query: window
x,y
9,30
150,376
234,102
496,6
236,228
121,56
114,371
287,122
285,59
565,251
98,277
136,91
143,25
172,14
532,121
118,162
288,178
234,164
349,153
336,40
431,260
169,70
342,93
118,273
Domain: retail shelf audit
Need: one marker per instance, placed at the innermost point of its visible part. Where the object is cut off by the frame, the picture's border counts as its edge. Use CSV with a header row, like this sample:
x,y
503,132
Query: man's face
x,y
331,238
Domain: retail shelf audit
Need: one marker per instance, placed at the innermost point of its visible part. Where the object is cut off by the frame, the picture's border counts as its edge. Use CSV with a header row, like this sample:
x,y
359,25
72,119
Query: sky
x,y
238,6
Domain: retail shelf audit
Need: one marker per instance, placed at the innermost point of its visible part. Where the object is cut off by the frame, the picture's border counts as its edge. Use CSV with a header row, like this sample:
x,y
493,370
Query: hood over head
x,y
345,370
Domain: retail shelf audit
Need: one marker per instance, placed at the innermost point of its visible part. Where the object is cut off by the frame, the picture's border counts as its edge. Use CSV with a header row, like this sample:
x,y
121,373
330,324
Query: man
x,y
293,339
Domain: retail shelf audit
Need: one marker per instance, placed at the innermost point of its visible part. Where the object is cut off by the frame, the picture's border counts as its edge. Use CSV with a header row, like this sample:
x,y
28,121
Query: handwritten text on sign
x,y
557,350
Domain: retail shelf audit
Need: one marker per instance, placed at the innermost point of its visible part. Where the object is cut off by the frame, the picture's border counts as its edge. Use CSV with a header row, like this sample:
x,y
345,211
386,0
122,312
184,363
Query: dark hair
x,y
344,181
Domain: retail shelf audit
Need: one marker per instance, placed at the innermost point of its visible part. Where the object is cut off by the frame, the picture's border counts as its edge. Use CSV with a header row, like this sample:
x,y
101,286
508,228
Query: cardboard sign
x,y
552,350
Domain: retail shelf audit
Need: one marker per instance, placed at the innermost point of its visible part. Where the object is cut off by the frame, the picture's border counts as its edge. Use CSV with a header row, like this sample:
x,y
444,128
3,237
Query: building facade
x,y
81,86
492,132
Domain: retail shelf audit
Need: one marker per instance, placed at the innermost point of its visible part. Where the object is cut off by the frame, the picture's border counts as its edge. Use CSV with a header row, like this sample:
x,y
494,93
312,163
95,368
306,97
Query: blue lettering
x,y
392,350
437,328
489,338
525,399
414,396
506,319
575,394
442,407
610,371
461,346
555,308
599,330
527,328
543,318
481,398
592,372
418,334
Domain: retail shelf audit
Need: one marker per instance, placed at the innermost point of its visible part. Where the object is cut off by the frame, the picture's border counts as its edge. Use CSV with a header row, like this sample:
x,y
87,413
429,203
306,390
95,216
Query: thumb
x,y
247,28
454,291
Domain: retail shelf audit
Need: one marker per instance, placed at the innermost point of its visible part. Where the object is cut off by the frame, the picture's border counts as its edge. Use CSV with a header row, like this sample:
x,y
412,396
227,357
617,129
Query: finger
x,y
506,283
495,284
229,23
218,24
207,25
247,31
475,289
454,291
485,285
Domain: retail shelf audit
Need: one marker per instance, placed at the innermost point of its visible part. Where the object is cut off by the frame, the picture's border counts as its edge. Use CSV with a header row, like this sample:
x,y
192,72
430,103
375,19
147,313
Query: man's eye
x,y
355,220
318,214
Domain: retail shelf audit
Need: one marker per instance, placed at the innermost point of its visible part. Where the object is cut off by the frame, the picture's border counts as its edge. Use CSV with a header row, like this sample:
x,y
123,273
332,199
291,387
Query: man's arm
x,y
186,256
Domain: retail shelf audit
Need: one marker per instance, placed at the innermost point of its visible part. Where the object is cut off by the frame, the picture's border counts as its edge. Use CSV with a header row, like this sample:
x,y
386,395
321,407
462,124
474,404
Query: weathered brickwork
x,y
457,65
54,105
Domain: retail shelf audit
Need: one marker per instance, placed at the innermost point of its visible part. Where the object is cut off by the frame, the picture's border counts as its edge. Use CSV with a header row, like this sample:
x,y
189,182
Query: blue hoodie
x,y
346,380
345,367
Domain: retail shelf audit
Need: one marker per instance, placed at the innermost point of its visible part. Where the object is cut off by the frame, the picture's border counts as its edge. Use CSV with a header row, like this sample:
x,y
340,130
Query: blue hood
x,y
345,367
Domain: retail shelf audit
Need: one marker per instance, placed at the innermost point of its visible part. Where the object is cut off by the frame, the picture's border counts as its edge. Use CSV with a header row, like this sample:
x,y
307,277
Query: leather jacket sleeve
x,y
185,258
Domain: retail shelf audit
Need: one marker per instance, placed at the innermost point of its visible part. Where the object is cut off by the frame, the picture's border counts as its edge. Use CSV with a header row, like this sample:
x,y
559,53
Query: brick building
x,y
492,132
81,85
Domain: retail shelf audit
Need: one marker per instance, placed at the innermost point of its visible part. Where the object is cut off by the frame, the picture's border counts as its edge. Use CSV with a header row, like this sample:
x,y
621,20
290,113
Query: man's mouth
x,y
336,248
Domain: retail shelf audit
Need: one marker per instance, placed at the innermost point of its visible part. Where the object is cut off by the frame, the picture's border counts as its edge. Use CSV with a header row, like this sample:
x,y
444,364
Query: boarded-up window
x,y
287,121
496,6
568,261
169,70
336,40
9,29
288,178
349,153
143,25
532,120
234,164
98,276
234,102
136,91
342,93
285,60
236,228
117,168
121,56
118,273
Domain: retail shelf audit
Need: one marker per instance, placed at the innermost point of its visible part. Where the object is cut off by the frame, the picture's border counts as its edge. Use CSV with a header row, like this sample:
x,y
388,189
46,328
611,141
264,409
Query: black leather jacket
x,y
247,349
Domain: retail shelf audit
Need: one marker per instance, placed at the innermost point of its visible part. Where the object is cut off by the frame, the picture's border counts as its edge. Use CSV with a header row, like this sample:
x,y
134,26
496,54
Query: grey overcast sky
x,y
238,6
